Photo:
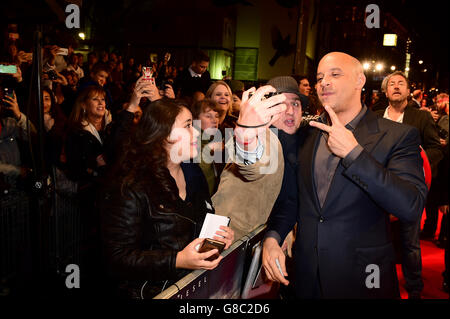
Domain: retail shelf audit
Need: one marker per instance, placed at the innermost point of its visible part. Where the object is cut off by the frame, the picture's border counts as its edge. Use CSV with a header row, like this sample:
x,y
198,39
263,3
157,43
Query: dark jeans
x,y
411,256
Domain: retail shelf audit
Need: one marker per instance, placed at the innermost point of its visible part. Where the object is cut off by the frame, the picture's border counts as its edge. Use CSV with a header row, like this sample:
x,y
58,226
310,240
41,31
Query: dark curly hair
x,y
143,166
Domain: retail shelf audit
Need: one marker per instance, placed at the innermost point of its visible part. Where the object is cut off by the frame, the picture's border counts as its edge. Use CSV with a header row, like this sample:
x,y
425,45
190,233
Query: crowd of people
x,y
147,147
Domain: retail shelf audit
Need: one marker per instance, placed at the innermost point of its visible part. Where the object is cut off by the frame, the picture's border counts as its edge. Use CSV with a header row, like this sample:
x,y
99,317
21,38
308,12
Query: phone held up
x,y
6,108
8,68
148,74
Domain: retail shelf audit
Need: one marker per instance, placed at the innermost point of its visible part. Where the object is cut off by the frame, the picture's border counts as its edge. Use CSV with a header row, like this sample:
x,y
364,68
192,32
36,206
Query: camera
x,y
163,85
266,96
442,133
52,75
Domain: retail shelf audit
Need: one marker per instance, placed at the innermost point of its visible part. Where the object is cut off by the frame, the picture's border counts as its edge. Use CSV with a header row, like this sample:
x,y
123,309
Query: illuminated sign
x,y
390,40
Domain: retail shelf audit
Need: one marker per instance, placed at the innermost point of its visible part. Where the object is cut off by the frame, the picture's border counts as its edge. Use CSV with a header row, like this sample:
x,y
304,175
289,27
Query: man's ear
x,y
361,81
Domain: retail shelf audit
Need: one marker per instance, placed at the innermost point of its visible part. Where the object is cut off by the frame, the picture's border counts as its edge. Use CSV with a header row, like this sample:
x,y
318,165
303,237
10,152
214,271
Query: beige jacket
x,y
247,193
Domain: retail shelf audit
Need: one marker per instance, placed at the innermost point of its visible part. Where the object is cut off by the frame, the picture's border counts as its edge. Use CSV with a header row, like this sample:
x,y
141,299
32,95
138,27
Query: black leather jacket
x,y
141,242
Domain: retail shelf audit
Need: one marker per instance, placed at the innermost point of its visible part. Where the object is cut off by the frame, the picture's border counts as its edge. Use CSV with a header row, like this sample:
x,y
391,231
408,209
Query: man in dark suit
x,y
352,169
195,78
402,111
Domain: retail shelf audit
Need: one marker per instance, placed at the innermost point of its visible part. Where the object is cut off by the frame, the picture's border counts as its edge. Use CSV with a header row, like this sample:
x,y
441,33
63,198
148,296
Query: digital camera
x,y
52,75
266,96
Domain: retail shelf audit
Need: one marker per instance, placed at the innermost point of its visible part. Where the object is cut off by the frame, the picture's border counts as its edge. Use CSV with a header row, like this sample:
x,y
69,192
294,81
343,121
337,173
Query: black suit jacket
x,y
423,121
337,242
186,85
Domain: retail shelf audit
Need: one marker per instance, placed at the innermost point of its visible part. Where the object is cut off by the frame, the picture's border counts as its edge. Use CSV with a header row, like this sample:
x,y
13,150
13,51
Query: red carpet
x,y
432,268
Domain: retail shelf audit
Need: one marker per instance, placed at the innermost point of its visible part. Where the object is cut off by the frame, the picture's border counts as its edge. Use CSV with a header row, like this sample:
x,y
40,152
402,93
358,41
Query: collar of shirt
x,y
386,115
194,74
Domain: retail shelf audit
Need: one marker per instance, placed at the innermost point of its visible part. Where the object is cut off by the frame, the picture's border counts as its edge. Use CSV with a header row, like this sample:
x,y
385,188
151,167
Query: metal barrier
x,y
15,243
60,230
226,280
65,227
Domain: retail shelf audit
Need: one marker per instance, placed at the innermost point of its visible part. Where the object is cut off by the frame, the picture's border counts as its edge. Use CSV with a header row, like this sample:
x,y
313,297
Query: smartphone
x,y
63,51
8,68
7,92
147,72
209,244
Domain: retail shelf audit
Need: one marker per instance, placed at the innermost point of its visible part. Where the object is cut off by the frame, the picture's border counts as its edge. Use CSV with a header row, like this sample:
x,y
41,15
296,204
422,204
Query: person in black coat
x,y
351,171
153,207
194,78
85,164
55,126
399,110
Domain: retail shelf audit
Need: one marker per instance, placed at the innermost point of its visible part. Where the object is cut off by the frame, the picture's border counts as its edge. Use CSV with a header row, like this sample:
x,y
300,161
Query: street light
x,y
393,68
420,61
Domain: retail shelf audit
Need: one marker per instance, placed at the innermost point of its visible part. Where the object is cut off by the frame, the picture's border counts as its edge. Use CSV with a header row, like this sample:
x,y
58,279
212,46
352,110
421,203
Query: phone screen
x,y
9,69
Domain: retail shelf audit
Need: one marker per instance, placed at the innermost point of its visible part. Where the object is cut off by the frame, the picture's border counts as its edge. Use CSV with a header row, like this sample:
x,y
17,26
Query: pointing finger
x,y
332,114
321,126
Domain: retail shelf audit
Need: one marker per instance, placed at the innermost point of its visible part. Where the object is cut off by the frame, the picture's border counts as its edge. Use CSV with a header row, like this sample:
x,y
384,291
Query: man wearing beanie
x,y
247,215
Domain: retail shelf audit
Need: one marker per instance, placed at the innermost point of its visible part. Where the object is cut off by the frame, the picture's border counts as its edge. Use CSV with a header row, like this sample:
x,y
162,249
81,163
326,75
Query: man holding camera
x,y
398,110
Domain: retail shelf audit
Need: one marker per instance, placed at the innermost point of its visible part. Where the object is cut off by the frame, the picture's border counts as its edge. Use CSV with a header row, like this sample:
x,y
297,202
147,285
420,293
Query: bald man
x,y
353,169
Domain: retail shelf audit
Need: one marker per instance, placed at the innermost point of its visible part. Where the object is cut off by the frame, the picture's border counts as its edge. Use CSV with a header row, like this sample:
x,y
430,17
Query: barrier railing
x,y
226,280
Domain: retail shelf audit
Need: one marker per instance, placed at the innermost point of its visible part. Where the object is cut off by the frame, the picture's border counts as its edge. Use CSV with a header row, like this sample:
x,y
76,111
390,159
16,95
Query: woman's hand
x,y
61,79
227,236
190,258
13,105
100,160
143,88
18,75
168,92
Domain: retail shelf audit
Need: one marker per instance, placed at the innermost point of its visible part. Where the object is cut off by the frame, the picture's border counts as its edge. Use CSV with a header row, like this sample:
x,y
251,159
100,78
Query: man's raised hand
x,y
340,140
257,113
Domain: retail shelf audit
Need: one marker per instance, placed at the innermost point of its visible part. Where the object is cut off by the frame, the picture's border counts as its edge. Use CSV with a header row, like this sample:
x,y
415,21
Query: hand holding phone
x,y
190,258
210,244
8,68
63,51
147,72
9,101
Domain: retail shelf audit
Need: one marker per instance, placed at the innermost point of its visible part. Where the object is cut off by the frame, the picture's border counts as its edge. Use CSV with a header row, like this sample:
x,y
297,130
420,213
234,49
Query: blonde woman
x,y
220,92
